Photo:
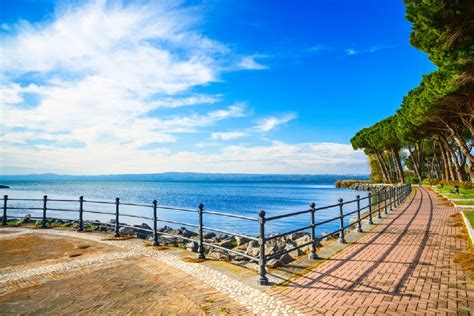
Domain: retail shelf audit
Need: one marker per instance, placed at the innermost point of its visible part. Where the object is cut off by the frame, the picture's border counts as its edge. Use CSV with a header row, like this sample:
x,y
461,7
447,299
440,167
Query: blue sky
x,y
208,86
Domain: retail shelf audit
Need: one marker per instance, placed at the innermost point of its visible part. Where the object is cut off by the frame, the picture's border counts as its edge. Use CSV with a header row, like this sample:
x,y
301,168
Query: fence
x,y
383,199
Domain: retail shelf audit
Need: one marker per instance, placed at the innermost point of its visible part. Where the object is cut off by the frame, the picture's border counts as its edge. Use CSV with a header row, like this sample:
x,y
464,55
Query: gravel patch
x,y
256,301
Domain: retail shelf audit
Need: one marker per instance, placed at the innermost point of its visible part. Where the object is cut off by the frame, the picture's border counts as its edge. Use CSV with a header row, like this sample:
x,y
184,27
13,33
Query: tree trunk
x,y
458,139
399,167
382,167
415,163
446,173
453,155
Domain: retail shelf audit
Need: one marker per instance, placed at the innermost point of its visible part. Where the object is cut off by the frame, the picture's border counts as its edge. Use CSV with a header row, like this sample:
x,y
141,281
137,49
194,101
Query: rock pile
x,y
361,186
245,246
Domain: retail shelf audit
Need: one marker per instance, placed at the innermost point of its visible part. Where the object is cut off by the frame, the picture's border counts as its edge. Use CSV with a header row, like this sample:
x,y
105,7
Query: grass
x,y
470,217
464,203
447,190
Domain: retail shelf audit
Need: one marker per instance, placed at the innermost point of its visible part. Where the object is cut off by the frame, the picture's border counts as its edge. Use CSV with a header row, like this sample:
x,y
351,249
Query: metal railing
x,y
385,198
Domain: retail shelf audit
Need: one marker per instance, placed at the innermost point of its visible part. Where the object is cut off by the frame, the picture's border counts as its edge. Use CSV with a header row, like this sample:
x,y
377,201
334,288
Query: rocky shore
x,y
364,186
239,244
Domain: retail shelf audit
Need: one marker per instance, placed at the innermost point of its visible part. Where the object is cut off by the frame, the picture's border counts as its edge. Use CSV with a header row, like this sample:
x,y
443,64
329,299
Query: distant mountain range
x,y
185,176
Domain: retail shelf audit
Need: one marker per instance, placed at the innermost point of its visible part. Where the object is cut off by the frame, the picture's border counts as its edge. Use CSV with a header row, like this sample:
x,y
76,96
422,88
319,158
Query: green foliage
x,y
440,107
443,29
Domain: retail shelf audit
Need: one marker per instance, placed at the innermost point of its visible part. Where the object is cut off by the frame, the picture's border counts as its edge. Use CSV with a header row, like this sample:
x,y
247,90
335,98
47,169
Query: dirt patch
x,y
466,258
118,238
152,289
31,249
192,260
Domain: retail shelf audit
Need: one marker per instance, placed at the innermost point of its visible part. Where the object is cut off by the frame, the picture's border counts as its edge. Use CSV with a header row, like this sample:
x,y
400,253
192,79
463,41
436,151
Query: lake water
x,y
242,198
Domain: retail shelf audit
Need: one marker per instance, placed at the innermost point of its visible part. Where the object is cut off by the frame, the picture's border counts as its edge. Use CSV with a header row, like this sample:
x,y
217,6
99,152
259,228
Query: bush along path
x,y
406,264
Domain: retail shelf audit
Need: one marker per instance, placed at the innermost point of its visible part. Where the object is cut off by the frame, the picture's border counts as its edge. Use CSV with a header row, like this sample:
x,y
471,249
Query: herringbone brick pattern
x,y
403,266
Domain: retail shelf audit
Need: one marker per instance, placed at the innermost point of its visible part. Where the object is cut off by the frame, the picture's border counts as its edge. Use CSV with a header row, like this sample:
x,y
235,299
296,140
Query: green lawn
x,y
470,217
464,202
463,193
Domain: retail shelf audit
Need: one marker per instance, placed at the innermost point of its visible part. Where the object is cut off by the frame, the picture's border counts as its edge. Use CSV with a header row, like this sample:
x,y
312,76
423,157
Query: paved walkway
x,y
403,266
56,271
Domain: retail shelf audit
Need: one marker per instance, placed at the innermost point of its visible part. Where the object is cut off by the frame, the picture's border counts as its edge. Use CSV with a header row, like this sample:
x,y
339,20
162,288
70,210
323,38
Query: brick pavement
x,y
402,266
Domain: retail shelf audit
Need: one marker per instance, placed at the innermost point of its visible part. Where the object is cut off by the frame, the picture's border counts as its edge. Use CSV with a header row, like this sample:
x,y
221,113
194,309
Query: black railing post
x,y
313,254
117,225
155,228
342,240
385,201
396,196
391,198
5,217
45,201
371,222
201,233
81,210
359,223
262,278
379,215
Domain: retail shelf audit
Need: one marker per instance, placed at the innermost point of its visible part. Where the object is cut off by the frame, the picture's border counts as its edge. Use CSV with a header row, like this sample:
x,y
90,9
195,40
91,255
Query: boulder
x,y
187,233
192,246
209,235
144,226
218,255
126,231
301,241
239,241
26,219
252,250
295,253
275,263
228,243
296,236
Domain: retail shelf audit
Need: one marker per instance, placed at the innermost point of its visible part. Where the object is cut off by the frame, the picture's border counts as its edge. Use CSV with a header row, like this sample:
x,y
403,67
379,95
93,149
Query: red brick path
x,y
403,266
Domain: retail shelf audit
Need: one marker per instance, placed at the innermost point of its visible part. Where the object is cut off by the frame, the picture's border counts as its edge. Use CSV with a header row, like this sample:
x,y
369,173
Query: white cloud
x,y
250,63
101,67
269,123
10,94
227,135
351,51
176,102
277,157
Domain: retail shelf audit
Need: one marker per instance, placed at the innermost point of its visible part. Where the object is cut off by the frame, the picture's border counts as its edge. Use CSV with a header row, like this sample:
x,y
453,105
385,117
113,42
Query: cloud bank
x,y
107,87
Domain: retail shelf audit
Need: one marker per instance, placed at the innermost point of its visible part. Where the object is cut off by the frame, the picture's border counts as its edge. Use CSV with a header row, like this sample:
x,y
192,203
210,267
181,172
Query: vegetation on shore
x,y
432,132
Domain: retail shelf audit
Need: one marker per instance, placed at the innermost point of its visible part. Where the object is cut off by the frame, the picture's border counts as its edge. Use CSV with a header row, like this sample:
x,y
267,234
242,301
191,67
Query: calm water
x,y
243,198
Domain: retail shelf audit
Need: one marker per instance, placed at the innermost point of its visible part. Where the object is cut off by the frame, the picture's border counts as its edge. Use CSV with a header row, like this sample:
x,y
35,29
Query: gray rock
x,y
241,240
252,251
295,236
26,219
209,235
192,246
218,255
228,243
126,231
187,233
301,241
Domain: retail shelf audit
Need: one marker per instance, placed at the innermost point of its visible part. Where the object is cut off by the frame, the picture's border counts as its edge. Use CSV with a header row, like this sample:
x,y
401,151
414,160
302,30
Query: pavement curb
x,y
469,228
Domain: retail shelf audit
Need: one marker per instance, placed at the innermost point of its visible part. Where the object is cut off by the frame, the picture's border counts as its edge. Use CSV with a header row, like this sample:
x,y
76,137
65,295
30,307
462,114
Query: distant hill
x,y
184,176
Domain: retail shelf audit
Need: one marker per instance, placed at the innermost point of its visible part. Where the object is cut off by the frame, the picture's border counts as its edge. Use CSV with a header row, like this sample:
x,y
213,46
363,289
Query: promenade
x,y
402,266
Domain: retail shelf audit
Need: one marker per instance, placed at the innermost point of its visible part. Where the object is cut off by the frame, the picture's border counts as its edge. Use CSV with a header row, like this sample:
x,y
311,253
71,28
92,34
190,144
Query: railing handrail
x,y
383,198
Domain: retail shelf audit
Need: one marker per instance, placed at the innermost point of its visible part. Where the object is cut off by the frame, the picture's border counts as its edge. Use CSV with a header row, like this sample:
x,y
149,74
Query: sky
x,y
244,86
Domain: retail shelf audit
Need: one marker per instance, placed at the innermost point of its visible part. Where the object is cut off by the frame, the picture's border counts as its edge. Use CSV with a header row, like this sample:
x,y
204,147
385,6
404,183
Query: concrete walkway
x,y
403,266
